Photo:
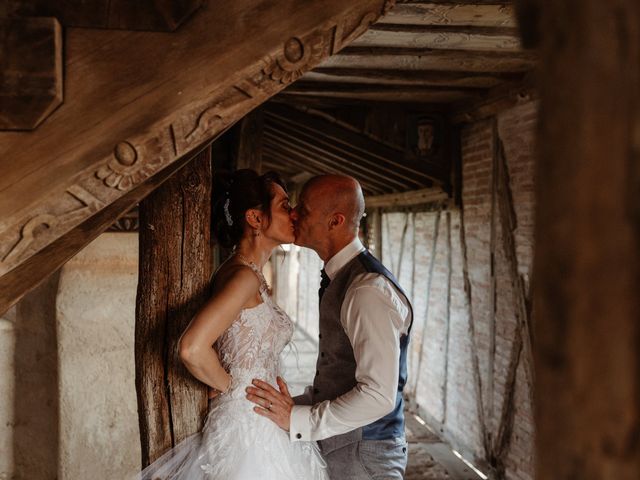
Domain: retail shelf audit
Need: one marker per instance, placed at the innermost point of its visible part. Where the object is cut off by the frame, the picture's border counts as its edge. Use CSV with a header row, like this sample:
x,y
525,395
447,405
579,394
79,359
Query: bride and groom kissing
x,y
349,424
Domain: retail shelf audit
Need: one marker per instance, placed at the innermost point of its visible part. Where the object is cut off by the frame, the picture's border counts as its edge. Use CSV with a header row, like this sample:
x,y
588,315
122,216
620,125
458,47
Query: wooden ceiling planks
x,y
417,59
434,13
454,38
421,49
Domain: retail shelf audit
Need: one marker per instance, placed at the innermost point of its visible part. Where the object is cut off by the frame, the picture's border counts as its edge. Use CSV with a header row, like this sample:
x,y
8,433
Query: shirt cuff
x,y
300,424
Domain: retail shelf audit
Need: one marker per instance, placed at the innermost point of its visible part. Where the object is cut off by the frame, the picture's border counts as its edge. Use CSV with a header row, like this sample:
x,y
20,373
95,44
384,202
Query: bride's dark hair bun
x,y
233,195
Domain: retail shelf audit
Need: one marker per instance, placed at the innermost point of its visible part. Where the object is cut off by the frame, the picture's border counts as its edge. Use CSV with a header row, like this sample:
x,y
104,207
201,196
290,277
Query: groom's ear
x,y
336,220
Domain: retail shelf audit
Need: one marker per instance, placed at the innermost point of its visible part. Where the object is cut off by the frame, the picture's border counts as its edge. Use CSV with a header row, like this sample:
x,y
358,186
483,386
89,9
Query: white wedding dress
x,y
236,443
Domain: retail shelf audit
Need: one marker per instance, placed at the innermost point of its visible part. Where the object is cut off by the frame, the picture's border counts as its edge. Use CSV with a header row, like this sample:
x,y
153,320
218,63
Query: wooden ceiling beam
x,y
343,87
418,59
452,13
409,77
456,2
440,38
401,94
406,199
444,29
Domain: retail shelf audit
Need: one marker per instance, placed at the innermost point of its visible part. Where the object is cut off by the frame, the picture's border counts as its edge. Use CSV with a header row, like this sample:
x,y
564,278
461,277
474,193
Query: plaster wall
x,y
95,317
67,392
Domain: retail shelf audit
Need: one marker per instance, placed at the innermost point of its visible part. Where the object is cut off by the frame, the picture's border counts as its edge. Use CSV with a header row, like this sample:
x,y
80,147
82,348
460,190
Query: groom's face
x,y
308,219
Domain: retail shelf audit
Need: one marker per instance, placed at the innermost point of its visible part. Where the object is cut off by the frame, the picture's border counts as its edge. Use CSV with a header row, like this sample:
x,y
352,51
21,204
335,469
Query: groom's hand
x,y
273,404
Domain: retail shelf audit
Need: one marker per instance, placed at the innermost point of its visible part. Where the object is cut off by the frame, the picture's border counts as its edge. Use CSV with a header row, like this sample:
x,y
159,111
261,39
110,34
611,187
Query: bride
x,y
249,332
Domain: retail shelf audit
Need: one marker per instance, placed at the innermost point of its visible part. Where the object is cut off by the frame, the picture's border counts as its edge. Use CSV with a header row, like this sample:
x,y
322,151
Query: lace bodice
x,y
236,443
251,346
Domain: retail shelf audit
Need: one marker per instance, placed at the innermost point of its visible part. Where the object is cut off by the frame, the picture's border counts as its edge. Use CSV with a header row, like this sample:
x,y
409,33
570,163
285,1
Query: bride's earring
x,y
256,232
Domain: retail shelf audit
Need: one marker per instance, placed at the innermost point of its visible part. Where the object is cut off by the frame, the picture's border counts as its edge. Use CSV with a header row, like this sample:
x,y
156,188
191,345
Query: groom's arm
x,y
374,316
304,398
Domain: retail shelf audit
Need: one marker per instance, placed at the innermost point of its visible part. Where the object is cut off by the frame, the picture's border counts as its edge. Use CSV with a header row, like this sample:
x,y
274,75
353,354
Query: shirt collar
x,y
344,256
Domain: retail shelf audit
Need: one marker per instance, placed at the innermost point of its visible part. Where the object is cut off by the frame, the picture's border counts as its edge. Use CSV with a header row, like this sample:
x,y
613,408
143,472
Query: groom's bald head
x,y
339,194
328,213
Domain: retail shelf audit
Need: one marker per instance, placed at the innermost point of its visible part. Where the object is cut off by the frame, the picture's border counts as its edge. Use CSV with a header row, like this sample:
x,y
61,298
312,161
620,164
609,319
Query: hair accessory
x,y
227,215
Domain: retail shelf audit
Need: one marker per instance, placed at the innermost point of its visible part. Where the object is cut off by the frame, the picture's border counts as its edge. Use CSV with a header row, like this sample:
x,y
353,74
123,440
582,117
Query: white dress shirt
x,y
374,316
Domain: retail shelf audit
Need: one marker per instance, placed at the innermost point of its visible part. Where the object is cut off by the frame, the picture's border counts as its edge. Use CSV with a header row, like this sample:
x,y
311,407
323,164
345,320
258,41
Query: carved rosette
x,y
294,60
124,169
129,222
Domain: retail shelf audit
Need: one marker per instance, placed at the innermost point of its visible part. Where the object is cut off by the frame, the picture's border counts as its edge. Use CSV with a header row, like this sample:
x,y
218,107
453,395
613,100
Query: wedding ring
x,y
270,405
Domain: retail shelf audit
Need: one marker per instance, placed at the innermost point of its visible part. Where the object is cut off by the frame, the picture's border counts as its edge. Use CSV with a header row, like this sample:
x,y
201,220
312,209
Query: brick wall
x,y
465,270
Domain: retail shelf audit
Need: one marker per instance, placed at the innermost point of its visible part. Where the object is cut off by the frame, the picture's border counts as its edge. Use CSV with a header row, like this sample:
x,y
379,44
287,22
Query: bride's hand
x,y
273,404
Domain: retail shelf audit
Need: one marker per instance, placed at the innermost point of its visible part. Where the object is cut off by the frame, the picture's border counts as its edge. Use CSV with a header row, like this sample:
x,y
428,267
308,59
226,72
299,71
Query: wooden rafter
x,y
319,139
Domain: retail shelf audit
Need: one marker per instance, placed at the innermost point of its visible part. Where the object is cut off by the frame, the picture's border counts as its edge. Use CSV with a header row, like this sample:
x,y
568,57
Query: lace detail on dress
x,y
236,443
252,345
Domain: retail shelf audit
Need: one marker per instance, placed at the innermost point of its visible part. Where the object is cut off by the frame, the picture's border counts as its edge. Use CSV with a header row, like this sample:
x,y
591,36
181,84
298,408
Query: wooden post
x,y
248,141
174,273
587,260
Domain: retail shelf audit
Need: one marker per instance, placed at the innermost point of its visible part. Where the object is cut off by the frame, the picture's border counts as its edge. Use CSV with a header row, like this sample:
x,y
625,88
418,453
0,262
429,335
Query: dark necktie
x,y
324,282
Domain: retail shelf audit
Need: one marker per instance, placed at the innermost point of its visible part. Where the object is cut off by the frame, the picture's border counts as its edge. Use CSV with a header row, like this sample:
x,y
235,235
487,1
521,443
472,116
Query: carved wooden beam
x,y
139,101
163,15
30,72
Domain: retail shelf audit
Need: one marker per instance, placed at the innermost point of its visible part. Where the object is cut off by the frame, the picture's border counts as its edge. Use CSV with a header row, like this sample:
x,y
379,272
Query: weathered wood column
x,y
175,267
248,141
587,258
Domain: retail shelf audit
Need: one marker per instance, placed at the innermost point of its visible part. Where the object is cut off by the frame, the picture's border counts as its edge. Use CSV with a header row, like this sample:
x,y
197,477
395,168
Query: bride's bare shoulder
x,y
236,275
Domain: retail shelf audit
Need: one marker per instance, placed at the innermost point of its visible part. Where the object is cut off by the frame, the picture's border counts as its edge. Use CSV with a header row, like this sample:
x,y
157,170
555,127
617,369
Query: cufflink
x,y
298,435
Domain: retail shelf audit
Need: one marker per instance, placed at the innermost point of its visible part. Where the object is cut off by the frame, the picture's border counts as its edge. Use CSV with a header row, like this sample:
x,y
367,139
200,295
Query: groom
x,y
355,407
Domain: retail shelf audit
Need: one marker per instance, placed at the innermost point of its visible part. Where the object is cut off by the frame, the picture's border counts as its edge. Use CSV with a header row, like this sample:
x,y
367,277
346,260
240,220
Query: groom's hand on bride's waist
x,y
271,403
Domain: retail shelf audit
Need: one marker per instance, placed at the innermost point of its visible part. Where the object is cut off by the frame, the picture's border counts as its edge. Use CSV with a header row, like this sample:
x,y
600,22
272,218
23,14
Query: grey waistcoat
x,y
336,365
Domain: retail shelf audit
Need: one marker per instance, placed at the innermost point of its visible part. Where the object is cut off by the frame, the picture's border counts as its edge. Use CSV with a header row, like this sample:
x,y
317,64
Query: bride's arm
x,y
210,322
